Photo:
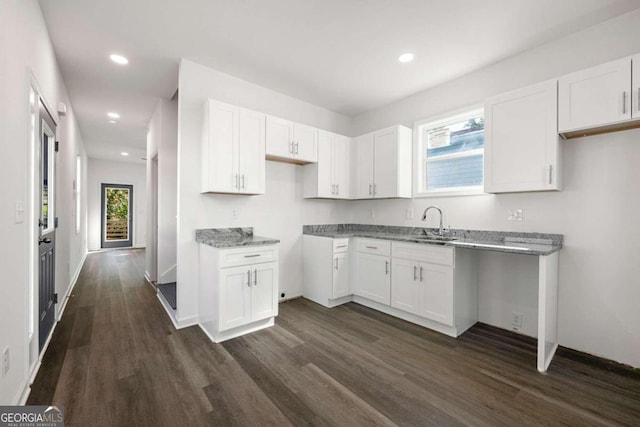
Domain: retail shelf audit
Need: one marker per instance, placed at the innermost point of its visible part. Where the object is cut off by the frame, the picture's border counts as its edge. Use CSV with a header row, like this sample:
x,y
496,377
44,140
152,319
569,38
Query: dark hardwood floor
x,y
116,360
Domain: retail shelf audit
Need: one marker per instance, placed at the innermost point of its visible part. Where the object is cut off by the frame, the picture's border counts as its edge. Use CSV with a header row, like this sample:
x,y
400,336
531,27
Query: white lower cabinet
x,y
372,265
326,272
237,290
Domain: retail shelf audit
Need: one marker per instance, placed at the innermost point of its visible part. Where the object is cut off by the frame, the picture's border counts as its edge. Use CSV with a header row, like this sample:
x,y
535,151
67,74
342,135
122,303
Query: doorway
x,y
46,225
117,216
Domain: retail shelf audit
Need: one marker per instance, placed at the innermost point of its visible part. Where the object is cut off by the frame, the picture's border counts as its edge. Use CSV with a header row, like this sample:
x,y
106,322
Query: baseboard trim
x,y
177,323
147,279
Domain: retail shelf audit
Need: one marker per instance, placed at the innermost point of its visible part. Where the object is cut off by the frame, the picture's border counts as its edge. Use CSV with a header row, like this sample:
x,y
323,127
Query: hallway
x,y
115,360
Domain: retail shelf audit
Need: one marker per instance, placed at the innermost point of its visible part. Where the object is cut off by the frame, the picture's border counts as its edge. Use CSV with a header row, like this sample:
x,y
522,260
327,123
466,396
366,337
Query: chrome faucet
x,y
424,218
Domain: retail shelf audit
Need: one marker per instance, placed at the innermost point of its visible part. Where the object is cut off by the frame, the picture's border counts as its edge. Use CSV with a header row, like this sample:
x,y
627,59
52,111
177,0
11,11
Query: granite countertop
x,y
231,237
501,241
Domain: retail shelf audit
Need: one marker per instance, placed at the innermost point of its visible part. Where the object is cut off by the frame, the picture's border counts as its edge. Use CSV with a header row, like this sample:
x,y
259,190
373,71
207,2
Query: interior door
x,y
47,226
117,215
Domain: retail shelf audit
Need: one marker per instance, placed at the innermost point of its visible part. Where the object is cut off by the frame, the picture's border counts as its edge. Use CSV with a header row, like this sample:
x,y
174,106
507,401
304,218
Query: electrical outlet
x,y
409,213
5,361
514,214
372,213
516,320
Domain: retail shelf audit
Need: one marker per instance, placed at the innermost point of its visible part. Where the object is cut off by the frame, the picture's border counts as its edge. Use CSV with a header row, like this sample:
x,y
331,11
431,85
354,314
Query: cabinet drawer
x,y
247,255
340,245
423,253
374,246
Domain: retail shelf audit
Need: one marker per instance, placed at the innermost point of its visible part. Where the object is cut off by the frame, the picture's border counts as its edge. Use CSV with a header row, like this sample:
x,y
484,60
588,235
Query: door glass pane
x,y
45,182
117,214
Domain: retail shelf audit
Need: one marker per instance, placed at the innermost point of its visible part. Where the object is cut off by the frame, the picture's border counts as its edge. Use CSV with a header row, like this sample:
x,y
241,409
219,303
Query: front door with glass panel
x,y
47,227
117,215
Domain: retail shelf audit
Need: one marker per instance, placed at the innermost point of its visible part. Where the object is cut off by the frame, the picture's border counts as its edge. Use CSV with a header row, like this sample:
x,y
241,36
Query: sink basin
x,y
435,238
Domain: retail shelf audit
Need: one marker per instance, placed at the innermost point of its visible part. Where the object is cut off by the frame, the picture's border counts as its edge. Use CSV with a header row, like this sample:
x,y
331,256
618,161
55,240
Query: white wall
x,y
26,47
596,212
163,142
109,172
280,213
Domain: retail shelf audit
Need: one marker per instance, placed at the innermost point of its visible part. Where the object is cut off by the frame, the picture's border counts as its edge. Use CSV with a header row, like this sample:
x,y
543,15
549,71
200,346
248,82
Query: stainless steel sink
x,y
435,238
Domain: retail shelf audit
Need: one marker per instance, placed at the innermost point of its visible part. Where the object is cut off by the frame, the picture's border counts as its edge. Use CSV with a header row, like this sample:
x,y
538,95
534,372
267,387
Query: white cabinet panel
x,y
405,286
305,143
373,280
521,140
264,291
363,166
437,293
329,177
386,163
341,275
340,162
635,91
251,136
279,137
233,150
597,96
235,291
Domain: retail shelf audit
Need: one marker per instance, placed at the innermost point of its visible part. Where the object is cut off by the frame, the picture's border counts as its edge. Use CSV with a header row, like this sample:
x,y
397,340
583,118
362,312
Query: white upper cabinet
x,y
233,150
291,142
329,178
382,164
596,97
635,91
522,146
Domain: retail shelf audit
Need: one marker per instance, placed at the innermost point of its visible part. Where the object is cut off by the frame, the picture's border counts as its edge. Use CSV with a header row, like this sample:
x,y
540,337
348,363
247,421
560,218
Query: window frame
x,y
420,161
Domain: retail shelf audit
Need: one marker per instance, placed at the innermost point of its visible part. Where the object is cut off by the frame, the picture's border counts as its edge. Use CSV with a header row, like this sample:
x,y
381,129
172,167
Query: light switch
x,y
514,214
19,212
409,213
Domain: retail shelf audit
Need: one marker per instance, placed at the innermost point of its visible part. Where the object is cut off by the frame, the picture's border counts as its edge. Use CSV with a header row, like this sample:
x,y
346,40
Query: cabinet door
x,y
264,291
219,148
437,293
235,297
386,163
373,277
340,164
279,137
635,91
306,143
363,165
340,275
324,166
251,136
521,140
405,285
595,97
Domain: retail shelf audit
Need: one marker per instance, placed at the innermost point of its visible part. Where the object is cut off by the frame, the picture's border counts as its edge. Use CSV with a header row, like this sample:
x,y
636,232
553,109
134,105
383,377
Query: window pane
x,y
457,172
460,141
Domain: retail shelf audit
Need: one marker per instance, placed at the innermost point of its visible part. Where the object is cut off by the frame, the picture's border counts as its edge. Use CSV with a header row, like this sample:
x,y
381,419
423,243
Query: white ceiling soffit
x,y
339,54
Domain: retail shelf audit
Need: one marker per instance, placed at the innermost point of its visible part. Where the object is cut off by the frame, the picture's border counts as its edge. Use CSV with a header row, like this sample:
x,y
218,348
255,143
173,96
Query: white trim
x,y
240,330
458,155
419,160
177,323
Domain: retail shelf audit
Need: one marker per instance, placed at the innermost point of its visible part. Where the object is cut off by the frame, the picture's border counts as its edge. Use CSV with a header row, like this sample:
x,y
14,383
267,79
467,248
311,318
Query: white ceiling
x,y
339,54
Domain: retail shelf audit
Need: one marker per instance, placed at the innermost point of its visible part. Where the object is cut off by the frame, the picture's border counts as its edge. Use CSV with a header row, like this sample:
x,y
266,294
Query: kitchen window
x,y
450,155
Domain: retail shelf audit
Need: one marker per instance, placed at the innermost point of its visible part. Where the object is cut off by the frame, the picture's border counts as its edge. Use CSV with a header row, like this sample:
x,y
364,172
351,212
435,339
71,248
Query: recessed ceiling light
x,y
405,57
124,153
113,121
113,115
119,59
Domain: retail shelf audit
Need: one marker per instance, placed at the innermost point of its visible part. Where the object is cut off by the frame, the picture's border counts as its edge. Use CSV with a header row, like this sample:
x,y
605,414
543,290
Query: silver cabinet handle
x,y
550,174
255,277
386,267
333,189
421,271
415,273
251,256
371,247
370,189
235,181
341,246
291,147
243,182
249,277
624,102
336,263
374,190
337,188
